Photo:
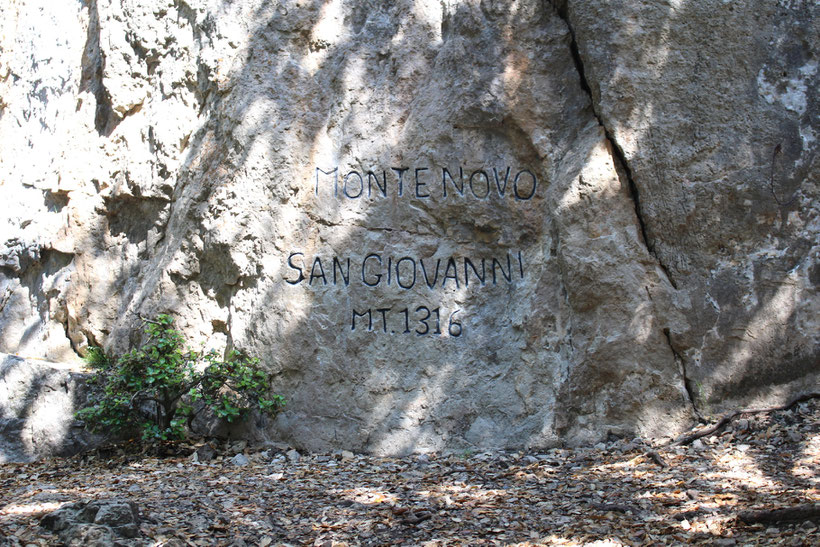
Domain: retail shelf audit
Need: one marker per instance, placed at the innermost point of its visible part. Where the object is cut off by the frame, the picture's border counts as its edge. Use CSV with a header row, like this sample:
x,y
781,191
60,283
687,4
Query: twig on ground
x,y
655,457
615,508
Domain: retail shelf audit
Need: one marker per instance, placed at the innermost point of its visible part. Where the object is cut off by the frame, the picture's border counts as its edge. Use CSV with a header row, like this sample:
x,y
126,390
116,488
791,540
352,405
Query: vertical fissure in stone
x,y
687,383
66,328
622,166
92,74
617,151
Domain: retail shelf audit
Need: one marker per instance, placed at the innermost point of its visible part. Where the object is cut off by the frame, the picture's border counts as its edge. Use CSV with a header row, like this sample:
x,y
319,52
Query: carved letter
x,y
481,277
361,185
356,314
297,268
515,185
313,275
398,272
400,172
508,274
486,179
450,264
419,184
384,311
382,186
445,173
364,268
430,284
501,189
334,172
345,276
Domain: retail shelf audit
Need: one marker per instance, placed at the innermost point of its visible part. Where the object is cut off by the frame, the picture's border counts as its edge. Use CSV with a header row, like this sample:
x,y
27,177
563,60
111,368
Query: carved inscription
x,y
419,321
405,272
380,271
427,183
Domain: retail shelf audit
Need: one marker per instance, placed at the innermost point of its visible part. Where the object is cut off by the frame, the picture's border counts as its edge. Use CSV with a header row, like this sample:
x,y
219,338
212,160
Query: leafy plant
x,y
160,387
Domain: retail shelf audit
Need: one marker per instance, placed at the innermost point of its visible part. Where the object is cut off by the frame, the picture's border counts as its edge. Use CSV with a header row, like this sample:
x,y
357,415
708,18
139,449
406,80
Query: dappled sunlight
x,y
806,463
304,87
368,496
408,412
328,32
739,465
367,130
34,509
37,401
768,323
431,12
705,163
553,539
612,495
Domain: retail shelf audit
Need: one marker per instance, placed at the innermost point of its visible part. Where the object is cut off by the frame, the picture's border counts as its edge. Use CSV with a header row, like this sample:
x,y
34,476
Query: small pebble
x,y
795,436
240,460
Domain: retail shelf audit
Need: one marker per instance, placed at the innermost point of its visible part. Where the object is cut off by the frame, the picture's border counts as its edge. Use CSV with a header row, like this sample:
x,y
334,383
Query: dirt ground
x,y
620,493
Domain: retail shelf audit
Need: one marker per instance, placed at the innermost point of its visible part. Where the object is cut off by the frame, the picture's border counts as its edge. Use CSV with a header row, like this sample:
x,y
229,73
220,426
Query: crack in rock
x,y
691,394
617,152
622,166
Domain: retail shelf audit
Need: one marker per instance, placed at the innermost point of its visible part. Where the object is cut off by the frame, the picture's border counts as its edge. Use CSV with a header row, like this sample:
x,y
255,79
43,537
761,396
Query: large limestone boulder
x,y
440,224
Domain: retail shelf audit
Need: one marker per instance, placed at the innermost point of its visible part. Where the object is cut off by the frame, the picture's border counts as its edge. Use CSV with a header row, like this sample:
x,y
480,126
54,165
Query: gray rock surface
x,y
713,105
625,233
100,523
37,404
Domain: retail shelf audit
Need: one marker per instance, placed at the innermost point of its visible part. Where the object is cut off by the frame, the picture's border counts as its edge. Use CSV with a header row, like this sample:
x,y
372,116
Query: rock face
x,y
440,224
37,404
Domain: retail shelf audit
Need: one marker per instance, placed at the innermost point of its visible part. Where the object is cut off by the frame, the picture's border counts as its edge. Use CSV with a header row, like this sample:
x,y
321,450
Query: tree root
x,y
723,422
797,513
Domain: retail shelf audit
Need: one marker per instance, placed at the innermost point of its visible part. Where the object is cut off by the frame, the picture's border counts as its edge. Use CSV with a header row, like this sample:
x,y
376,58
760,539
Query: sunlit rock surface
x,y
440,224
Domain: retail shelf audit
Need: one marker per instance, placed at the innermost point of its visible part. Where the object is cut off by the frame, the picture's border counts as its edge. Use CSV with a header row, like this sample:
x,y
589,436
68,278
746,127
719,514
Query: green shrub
x,y
160,387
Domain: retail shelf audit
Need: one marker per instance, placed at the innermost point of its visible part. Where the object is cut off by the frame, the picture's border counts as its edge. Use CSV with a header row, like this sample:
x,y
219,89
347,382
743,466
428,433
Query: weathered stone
x,y
240,460
440,225
99,523
713,107
205,453
37,404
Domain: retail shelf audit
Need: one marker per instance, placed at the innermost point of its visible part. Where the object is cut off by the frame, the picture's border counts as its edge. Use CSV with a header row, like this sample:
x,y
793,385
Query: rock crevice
x,y
617,152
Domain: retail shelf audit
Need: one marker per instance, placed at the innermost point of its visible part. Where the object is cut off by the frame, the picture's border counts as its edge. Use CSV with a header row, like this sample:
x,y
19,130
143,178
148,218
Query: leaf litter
x,y
614,494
